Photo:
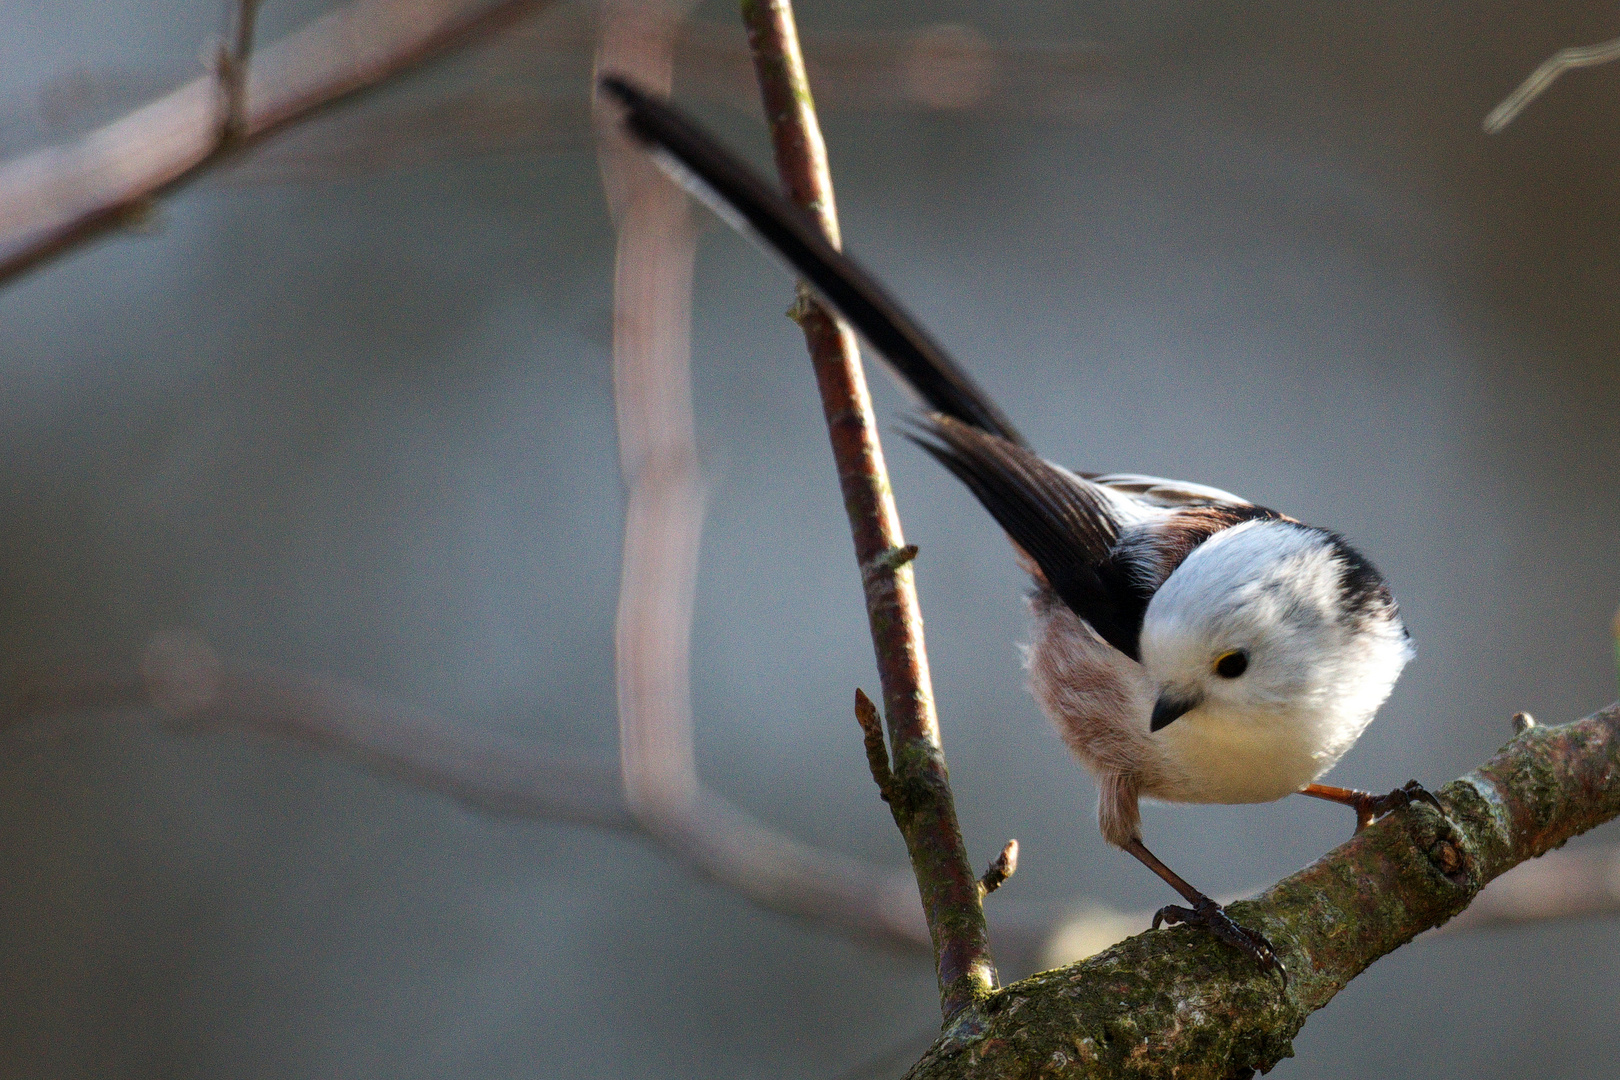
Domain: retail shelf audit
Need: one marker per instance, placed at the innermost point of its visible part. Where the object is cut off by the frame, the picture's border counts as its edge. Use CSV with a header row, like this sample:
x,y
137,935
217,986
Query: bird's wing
x,y
1065,523
1153,550
715,176
1167,519
1157,491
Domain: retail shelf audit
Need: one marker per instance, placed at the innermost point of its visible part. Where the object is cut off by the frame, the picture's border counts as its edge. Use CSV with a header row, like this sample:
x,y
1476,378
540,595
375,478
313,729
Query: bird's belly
x,y
1238,759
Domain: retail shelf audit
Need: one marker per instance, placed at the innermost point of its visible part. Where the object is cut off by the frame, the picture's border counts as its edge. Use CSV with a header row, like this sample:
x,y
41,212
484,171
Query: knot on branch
x,y
887,562
879,579
1447,848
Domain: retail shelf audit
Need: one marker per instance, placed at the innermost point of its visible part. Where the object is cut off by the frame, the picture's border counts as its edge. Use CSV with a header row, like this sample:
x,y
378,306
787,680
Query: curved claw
x,y
1416,792
1212,917
1399,799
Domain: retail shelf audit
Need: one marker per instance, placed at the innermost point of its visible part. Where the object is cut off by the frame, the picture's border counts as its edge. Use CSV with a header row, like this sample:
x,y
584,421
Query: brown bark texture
x,y
919,789
1177,1003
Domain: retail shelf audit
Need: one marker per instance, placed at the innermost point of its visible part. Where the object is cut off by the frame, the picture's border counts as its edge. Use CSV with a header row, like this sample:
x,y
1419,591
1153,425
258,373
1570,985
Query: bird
x,y
1189,645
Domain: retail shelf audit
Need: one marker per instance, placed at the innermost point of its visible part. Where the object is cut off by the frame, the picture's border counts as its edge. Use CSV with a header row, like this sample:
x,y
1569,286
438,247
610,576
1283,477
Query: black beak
x,y
1169,709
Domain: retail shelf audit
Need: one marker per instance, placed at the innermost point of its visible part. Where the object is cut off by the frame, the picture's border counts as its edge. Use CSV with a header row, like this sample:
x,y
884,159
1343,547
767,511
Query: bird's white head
x,y
1274,623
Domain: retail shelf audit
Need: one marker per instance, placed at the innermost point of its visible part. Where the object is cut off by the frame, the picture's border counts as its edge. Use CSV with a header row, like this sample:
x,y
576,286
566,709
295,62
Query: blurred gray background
x,y
360,423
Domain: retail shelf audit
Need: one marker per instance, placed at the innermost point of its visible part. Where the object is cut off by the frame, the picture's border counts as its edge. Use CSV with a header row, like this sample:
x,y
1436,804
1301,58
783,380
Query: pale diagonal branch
x,y
61,197
1578,56
196,692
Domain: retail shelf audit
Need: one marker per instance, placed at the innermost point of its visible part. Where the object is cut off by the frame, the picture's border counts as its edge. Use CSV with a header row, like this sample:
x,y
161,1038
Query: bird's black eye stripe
x,y
1231,665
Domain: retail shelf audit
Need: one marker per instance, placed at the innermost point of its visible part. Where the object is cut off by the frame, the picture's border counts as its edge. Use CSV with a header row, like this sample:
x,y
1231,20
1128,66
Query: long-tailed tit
x,y
1190,646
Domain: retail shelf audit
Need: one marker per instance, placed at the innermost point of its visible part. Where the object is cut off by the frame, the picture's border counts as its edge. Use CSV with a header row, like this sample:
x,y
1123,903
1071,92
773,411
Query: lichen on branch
x,y
1177,1003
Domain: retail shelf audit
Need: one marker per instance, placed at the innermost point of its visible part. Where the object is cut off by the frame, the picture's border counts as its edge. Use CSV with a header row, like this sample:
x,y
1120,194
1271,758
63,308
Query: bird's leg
x,y
1368,806
1207,913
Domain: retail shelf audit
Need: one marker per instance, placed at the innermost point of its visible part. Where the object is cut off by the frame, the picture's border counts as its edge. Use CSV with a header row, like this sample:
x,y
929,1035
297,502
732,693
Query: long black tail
x,y
735,192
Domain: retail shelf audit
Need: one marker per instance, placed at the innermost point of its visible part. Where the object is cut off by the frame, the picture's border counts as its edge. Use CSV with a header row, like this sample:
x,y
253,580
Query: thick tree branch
x,y
1559,885
919,794
1177,1003
61,197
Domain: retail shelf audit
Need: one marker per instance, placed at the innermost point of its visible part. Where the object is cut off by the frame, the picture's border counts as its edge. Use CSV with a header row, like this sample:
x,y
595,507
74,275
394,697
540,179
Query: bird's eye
x,y
1231,665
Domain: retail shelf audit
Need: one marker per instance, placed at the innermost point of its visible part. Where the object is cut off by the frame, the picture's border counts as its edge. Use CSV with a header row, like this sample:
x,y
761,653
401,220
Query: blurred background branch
x,y
196,692
199,693
1577,56
517,92
55,199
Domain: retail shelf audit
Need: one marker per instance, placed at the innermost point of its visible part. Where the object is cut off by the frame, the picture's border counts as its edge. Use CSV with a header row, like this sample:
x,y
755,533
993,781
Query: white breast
x,y
1220,756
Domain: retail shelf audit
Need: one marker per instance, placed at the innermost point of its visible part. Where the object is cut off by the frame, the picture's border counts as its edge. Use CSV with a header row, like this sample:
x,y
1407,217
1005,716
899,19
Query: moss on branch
x,y
1177,1003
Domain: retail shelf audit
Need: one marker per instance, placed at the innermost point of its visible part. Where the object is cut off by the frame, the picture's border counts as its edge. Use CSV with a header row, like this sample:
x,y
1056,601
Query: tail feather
x,y
739,196
1060,520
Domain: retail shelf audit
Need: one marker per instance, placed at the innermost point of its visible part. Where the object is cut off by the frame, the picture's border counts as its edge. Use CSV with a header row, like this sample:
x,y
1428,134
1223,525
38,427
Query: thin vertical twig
x,y
231,67
920,796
